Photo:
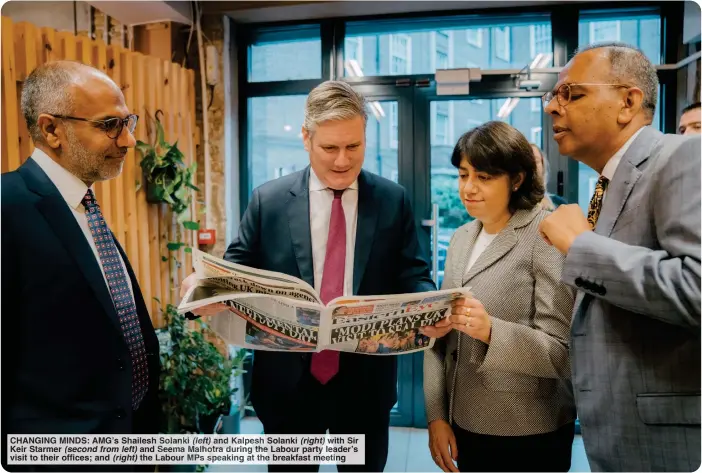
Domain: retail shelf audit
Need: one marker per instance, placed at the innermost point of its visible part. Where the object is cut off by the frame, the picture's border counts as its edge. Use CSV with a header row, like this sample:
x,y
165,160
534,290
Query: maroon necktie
x,y
325,364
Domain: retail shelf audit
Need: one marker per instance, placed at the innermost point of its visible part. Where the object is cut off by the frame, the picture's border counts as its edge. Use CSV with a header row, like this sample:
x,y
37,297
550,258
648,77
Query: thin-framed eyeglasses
x,y
111,126
563,93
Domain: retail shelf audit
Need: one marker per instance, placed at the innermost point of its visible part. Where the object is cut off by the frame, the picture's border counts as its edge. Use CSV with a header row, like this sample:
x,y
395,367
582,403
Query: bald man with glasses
x,y
80,355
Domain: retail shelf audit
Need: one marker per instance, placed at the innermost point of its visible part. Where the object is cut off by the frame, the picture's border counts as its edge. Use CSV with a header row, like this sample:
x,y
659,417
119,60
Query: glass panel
x,y
642,30
275,138
449,120
382,140
271,52
423,46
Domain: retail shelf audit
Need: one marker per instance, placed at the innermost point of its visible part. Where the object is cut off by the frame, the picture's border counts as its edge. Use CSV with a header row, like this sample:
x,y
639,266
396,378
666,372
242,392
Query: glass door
x,y
389,154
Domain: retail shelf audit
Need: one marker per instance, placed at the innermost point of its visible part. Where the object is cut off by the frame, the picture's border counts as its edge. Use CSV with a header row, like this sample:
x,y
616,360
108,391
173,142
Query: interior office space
x,y
259,60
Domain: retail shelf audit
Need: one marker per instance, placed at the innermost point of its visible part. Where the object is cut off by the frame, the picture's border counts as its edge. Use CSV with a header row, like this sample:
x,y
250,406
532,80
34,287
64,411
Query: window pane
x,y
382,139
449,120
286,55
642,29
423,46
275,138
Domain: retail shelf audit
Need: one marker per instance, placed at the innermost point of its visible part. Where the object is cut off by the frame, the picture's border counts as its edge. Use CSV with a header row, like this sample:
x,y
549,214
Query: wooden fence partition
x,y
149,84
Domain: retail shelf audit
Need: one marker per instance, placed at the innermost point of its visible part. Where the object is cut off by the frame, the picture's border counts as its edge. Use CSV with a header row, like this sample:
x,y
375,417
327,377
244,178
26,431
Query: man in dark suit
x,y
344,231
80,355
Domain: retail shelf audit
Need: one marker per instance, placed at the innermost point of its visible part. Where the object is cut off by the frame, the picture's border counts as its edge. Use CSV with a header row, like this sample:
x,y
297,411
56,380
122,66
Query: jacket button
x,y
120,364
579,282
119,413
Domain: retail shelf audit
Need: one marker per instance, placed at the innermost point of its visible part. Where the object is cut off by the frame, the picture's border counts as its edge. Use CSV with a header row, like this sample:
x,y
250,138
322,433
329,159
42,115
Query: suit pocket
x,y
669,408
508,382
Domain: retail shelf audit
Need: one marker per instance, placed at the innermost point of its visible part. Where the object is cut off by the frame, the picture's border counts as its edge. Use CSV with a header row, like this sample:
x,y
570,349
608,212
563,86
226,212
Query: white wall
x,y
57,15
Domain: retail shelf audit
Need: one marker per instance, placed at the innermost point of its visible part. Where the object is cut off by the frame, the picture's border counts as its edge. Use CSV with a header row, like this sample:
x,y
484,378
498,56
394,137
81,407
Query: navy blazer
x,y
66,367
275,235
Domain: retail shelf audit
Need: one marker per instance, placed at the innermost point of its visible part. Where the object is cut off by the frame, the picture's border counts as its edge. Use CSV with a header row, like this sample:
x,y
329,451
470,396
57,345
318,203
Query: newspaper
x,y
265,310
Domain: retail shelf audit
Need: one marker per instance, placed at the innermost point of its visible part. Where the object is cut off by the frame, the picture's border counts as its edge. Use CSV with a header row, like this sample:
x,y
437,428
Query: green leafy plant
x,y
196,378
168,178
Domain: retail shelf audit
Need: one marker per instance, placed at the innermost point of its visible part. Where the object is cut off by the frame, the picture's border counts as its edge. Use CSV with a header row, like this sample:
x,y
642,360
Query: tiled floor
x,y
408,452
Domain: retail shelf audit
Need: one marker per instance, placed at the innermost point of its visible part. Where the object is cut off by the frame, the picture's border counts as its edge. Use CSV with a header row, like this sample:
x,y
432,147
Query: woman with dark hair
x,y
550,201
496,384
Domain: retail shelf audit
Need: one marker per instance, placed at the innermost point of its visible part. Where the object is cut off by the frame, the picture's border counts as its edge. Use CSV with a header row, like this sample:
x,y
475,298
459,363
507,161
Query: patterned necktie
x,y
593,211
325,364
121,296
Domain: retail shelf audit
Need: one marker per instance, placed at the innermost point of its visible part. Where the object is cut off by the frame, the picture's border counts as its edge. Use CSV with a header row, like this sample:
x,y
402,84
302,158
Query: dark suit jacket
x,y
65,366
275,235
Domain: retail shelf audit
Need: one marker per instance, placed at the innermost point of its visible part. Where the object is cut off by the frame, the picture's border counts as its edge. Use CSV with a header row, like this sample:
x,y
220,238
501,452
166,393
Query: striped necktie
x,y
593,211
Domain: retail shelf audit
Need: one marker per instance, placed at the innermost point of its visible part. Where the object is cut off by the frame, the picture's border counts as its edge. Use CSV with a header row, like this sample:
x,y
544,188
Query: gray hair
x,y
333,100
48,90
629,65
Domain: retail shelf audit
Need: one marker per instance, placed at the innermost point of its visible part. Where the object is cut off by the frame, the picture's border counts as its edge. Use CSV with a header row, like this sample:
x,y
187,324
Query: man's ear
x,y
632,104
306,139
49,129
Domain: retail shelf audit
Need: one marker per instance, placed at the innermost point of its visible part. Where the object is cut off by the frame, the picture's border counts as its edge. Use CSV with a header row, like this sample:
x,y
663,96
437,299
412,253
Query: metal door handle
x,y
434,224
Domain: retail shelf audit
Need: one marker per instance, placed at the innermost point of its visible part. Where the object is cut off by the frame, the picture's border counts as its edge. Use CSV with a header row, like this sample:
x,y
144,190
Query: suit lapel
x,y
618,191
500,246
299,222
365,229
472,232
625,177
59,216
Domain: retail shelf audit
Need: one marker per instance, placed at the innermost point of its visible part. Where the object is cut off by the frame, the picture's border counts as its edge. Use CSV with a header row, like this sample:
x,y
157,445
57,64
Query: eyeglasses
x,y
564,94
112,126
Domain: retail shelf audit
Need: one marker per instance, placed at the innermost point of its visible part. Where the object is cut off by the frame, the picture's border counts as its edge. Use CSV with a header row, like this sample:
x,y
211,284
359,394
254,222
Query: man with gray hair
x,y
80,355
346,232
635,259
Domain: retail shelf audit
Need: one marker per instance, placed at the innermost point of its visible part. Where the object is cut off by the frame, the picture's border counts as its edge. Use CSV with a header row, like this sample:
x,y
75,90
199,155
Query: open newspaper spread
x,y
265,310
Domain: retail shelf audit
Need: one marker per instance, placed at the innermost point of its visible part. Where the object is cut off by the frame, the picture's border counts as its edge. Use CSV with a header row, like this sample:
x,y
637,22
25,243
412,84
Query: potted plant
x,y
196,385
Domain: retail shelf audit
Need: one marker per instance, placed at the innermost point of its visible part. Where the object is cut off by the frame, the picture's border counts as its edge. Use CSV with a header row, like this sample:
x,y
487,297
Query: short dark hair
x,y
692,107
629,64
497,148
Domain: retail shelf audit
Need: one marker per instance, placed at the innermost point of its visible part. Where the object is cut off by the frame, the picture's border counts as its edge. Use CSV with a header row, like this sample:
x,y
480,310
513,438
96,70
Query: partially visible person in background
x,y
690,120
550,201
496,386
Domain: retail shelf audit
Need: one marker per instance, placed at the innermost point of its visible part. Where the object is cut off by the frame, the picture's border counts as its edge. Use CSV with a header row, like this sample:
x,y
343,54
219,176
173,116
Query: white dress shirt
x,y
72,189
321,198
611,166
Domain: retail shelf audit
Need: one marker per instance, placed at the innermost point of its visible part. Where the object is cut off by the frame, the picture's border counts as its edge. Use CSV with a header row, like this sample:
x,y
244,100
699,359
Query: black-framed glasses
x,y
112,126
563,93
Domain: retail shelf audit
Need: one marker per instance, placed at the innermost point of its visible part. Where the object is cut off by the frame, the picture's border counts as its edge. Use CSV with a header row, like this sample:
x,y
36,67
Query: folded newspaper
x,y
265,310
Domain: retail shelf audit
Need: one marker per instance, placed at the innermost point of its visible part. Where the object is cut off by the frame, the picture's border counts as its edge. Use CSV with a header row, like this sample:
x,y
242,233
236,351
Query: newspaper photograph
x,y
266,310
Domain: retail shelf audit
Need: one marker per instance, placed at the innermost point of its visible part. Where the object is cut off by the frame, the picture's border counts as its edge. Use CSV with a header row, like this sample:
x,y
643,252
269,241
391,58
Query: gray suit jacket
x,y
518,385
636,325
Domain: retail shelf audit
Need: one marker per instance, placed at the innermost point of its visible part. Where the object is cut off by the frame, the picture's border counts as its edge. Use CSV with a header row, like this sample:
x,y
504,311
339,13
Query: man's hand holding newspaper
x,y
265,310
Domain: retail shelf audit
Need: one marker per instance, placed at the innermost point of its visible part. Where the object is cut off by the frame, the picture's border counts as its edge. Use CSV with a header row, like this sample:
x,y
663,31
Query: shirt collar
x,y
613,162
71,188
317,185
